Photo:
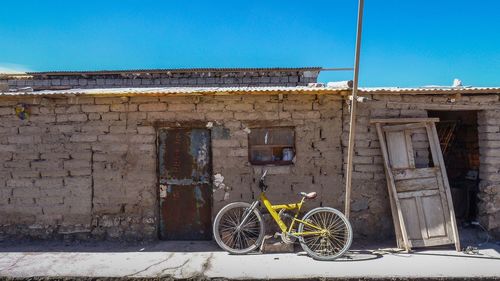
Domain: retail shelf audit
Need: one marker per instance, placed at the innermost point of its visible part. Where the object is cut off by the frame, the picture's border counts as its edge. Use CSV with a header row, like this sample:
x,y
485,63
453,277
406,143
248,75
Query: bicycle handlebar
x,y
262,185
264,175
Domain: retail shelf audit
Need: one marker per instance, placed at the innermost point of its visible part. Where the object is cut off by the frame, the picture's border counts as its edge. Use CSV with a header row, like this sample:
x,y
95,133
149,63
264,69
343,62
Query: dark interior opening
x,y
458,136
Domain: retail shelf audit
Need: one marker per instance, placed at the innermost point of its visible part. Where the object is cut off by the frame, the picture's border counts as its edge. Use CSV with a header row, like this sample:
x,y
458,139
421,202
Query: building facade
x,y
101,156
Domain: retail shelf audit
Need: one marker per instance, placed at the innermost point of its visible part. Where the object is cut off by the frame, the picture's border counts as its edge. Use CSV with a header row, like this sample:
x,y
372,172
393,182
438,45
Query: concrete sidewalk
x,y
204,260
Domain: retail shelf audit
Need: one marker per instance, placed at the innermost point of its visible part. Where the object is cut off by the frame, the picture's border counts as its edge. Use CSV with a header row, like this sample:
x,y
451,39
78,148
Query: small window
x,y
271,146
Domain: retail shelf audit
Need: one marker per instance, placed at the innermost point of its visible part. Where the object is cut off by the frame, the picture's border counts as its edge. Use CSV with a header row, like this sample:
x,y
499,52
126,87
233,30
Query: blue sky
x,y
405,43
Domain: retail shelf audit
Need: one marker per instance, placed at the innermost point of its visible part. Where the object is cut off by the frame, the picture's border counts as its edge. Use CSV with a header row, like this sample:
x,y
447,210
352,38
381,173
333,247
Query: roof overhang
x,y
183,91
429,90
222,91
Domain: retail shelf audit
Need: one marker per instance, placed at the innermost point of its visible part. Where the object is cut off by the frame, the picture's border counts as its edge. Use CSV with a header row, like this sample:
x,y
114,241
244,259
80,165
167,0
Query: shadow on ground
x,y
108,246
474,239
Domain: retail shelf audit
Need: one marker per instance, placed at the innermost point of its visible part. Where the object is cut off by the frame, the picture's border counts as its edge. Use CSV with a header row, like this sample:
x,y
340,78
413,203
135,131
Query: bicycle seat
x,y
310,195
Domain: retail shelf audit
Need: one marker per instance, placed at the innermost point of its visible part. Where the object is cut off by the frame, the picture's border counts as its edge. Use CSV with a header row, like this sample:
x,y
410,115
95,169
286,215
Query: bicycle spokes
x,y
333,238
237,235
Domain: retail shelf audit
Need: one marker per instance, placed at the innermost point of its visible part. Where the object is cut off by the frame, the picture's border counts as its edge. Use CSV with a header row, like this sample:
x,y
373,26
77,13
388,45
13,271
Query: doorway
x,y
185,191
458,135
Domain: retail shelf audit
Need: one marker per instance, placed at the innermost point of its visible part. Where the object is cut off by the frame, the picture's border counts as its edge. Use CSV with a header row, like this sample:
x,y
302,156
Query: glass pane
x,y
274,145
261,154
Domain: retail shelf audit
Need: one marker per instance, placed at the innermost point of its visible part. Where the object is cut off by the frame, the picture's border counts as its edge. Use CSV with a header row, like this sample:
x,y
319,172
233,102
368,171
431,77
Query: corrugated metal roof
x,y
431,90
179,90
255,90
164,70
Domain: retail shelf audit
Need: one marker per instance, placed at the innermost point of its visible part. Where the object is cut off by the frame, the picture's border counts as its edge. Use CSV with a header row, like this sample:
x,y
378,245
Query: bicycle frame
x,y
274,209
323,232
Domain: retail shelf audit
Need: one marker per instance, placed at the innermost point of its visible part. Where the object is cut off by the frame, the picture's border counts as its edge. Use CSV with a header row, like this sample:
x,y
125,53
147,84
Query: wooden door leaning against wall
x,y
418,185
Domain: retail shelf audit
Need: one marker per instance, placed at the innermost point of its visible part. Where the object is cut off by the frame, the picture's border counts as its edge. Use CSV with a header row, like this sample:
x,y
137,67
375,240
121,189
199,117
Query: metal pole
x,y
352,129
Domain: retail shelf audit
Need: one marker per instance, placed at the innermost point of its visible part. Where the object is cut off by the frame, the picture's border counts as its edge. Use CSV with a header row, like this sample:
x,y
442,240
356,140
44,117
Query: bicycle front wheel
x,y
232,235
335,240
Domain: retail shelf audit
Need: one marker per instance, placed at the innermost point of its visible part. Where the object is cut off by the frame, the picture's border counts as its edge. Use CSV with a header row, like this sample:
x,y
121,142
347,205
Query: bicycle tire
x,y
250,235
329,246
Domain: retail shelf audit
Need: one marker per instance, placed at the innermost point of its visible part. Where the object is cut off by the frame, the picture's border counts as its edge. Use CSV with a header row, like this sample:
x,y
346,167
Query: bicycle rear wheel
x,y
240,240
334,242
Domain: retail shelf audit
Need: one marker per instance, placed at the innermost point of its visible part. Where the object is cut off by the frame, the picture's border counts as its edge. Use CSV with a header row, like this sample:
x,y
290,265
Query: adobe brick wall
x,y
172,78
85,167
489,144
370,202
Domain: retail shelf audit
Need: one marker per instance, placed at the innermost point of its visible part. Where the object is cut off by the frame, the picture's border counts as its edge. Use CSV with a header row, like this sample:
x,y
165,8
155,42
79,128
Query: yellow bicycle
x,y
324,233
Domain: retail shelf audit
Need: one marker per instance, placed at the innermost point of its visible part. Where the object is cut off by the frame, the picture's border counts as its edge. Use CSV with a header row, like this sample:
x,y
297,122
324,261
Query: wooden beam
x,y
403,120
406,126
354,101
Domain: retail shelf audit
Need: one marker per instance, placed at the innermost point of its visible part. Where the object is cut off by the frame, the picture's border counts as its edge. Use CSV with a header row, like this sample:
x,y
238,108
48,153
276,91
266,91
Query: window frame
x,y
273,162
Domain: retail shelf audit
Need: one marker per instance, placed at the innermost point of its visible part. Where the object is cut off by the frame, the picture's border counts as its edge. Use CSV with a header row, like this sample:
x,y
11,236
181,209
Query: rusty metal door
x,y
185,187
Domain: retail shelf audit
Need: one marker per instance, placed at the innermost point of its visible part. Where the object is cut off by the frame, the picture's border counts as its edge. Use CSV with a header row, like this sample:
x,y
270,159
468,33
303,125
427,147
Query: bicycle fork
x,y
246,214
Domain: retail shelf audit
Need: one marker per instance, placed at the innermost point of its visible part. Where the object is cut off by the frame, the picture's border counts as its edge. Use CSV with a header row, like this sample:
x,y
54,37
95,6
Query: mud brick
x,y
76,164
248,115
95,108
31,130
306,115
78,182
118,138
111,100
43,118
143,139
49,183
143,99
210,107
153,107
83,138
54,173
25,174
24,139
180,107
110,116
77,117
123,107
240,107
